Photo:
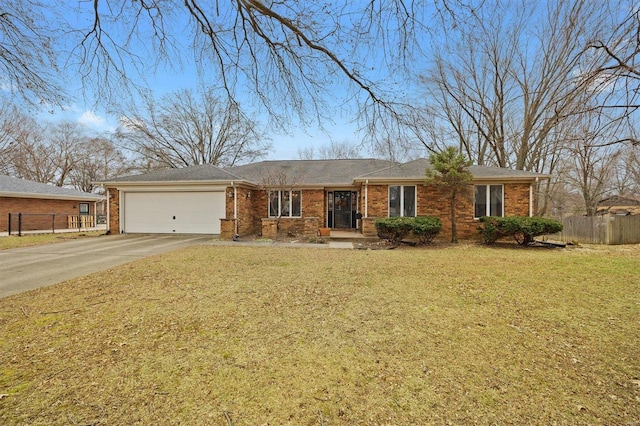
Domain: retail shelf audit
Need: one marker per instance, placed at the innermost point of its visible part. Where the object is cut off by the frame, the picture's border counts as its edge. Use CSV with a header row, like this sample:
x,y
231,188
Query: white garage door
x,y
173,212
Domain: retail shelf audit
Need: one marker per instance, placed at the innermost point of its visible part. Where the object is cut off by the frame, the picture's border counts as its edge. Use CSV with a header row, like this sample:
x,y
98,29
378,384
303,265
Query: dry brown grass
x,y
14,241
254,336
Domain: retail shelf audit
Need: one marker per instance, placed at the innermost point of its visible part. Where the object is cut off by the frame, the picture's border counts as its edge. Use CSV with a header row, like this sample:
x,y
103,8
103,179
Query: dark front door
x,y
342,209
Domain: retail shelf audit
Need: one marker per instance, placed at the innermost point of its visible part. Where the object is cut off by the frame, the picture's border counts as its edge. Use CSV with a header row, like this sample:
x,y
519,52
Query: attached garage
x,y
172,212
191,200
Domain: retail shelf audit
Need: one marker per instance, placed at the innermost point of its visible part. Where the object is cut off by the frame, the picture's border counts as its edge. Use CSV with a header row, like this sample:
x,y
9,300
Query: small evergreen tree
x,y
450,173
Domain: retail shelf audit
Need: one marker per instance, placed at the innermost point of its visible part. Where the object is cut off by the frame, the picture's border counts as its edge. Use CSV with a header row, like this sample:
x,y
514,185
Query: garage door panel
x,y
173,212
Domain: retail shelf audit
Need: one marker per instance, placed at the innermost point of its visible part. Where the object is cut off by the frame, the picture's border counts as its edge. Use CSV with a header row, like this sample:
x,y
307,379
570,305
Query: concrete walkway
x,y
340,245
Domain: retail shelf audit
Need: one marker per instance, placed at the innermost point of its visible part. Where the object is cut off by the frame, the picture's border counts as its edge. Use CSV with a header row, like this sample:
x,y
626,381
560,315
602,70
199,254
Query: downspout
x,y
108,194
121,208
366,198
531,198
235,209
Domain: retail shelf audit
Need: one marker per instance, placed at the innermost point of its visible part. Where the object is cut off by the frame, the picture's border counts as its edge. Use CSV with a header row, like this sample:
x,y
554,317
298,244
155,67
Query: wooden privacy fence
x,y
606,229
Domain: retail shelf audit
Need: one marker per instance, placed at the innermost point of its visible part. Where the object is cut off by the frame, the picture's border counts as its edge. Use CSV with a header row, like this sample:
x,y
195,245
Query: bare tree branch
x,y
186,129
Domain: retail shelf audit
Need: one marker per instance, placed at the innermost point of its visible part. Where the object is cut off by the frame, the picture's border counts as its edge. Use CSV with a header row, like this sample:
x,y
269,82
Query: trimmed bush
x,y
395,229
425,228
522,228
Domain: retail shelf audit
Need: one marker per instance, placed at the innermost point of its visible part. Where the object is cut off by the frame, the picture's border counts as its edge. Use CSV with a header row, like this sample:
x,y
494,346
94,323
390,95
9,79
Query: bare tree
x,y
504,85
591,172
504,88
288,54
101,160
28,56
331,151
12,121
65,142
306,153
627,173
340,150
47,154
186,129
279,185
616,82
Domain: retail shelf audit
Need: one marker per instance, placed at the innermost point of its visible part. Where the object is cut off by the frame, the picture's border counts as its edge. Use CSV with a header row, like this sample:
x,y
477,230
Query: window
x,y
488,201
83,208
285,203
402,200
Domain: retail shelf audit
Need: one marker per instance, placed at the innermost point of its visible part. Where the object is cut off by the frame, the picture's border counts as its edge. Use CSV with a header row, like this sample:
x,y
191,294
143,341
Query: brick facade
x,y
227,229
252,210
45,208
516,199
314,202
377,204
432,202
248,203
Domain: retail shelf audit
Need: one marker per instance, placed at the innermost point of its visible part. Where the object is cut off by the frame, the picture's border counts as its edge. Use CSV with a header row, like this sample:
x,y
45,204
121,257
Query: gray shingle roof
x,y
341,172
415,170
14,187
205,172
312,172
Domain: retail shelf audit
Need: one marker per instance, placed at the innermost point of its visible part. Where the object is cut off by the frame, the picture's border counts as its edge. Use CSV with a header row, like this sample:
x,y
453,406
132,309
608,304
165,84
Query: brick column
x,y
369,226
113,199
311,226
269,228
227,229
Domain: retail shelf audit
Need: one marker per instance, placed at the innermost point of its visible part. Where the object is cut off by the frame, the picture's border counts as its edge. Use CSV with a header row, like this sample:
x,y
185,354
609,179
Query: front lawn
x,y
27,240
224,335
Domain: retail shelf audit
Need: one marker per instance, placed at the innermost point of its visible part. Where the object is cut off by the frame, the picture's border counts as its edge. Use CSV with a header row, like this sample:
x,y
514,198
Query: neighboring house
x,y
619,205
300,196
43,206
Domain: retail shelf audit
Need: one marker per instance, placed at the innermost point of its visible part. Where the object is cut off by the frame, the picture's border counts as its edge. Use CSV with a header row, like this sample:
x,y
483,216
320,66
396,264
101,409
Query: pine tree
x,y
450,173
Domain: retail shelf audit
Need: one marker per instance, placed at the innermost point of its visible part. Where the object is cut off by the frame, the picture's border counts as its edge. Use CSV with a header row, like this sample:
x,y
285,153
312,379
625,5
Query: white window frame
x,y
401,195
280,209
488,200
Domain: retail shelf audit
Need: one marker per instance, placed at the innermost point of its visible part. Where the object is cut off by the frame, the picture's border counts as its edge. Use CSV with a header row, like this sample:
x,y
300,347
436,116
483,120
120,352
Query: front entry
x,y
342,209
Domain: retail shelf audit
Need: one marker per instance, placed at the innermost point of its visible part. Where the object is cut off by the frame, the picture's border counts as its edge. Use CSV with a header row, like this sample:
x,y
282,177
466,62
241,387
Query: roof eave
x,y
225,182
9,194
475,179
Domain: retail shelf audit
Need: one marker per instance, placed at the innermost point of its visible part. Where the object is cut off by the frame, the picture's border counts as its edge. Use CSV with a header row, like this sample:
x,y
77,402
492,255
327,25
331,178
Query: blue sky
x,y
165,79
285,146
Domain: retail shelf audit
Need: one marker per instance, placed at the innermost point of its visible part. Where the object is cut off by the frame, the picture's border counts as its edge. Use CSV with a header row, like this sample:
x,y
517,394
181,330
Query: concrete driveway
x,y
27,268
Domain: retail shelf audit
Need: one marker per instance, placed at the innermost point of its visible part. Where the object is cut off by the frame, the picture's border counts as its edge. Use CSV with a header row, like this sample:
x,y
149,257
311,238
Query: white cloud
x,y
94,121
88,118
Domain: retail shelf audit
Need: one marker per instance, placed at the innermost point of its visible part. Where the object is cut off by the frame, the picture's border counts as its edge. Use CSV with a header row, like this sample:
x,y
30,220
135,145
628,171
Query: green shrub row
x,y
395,229
522,228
